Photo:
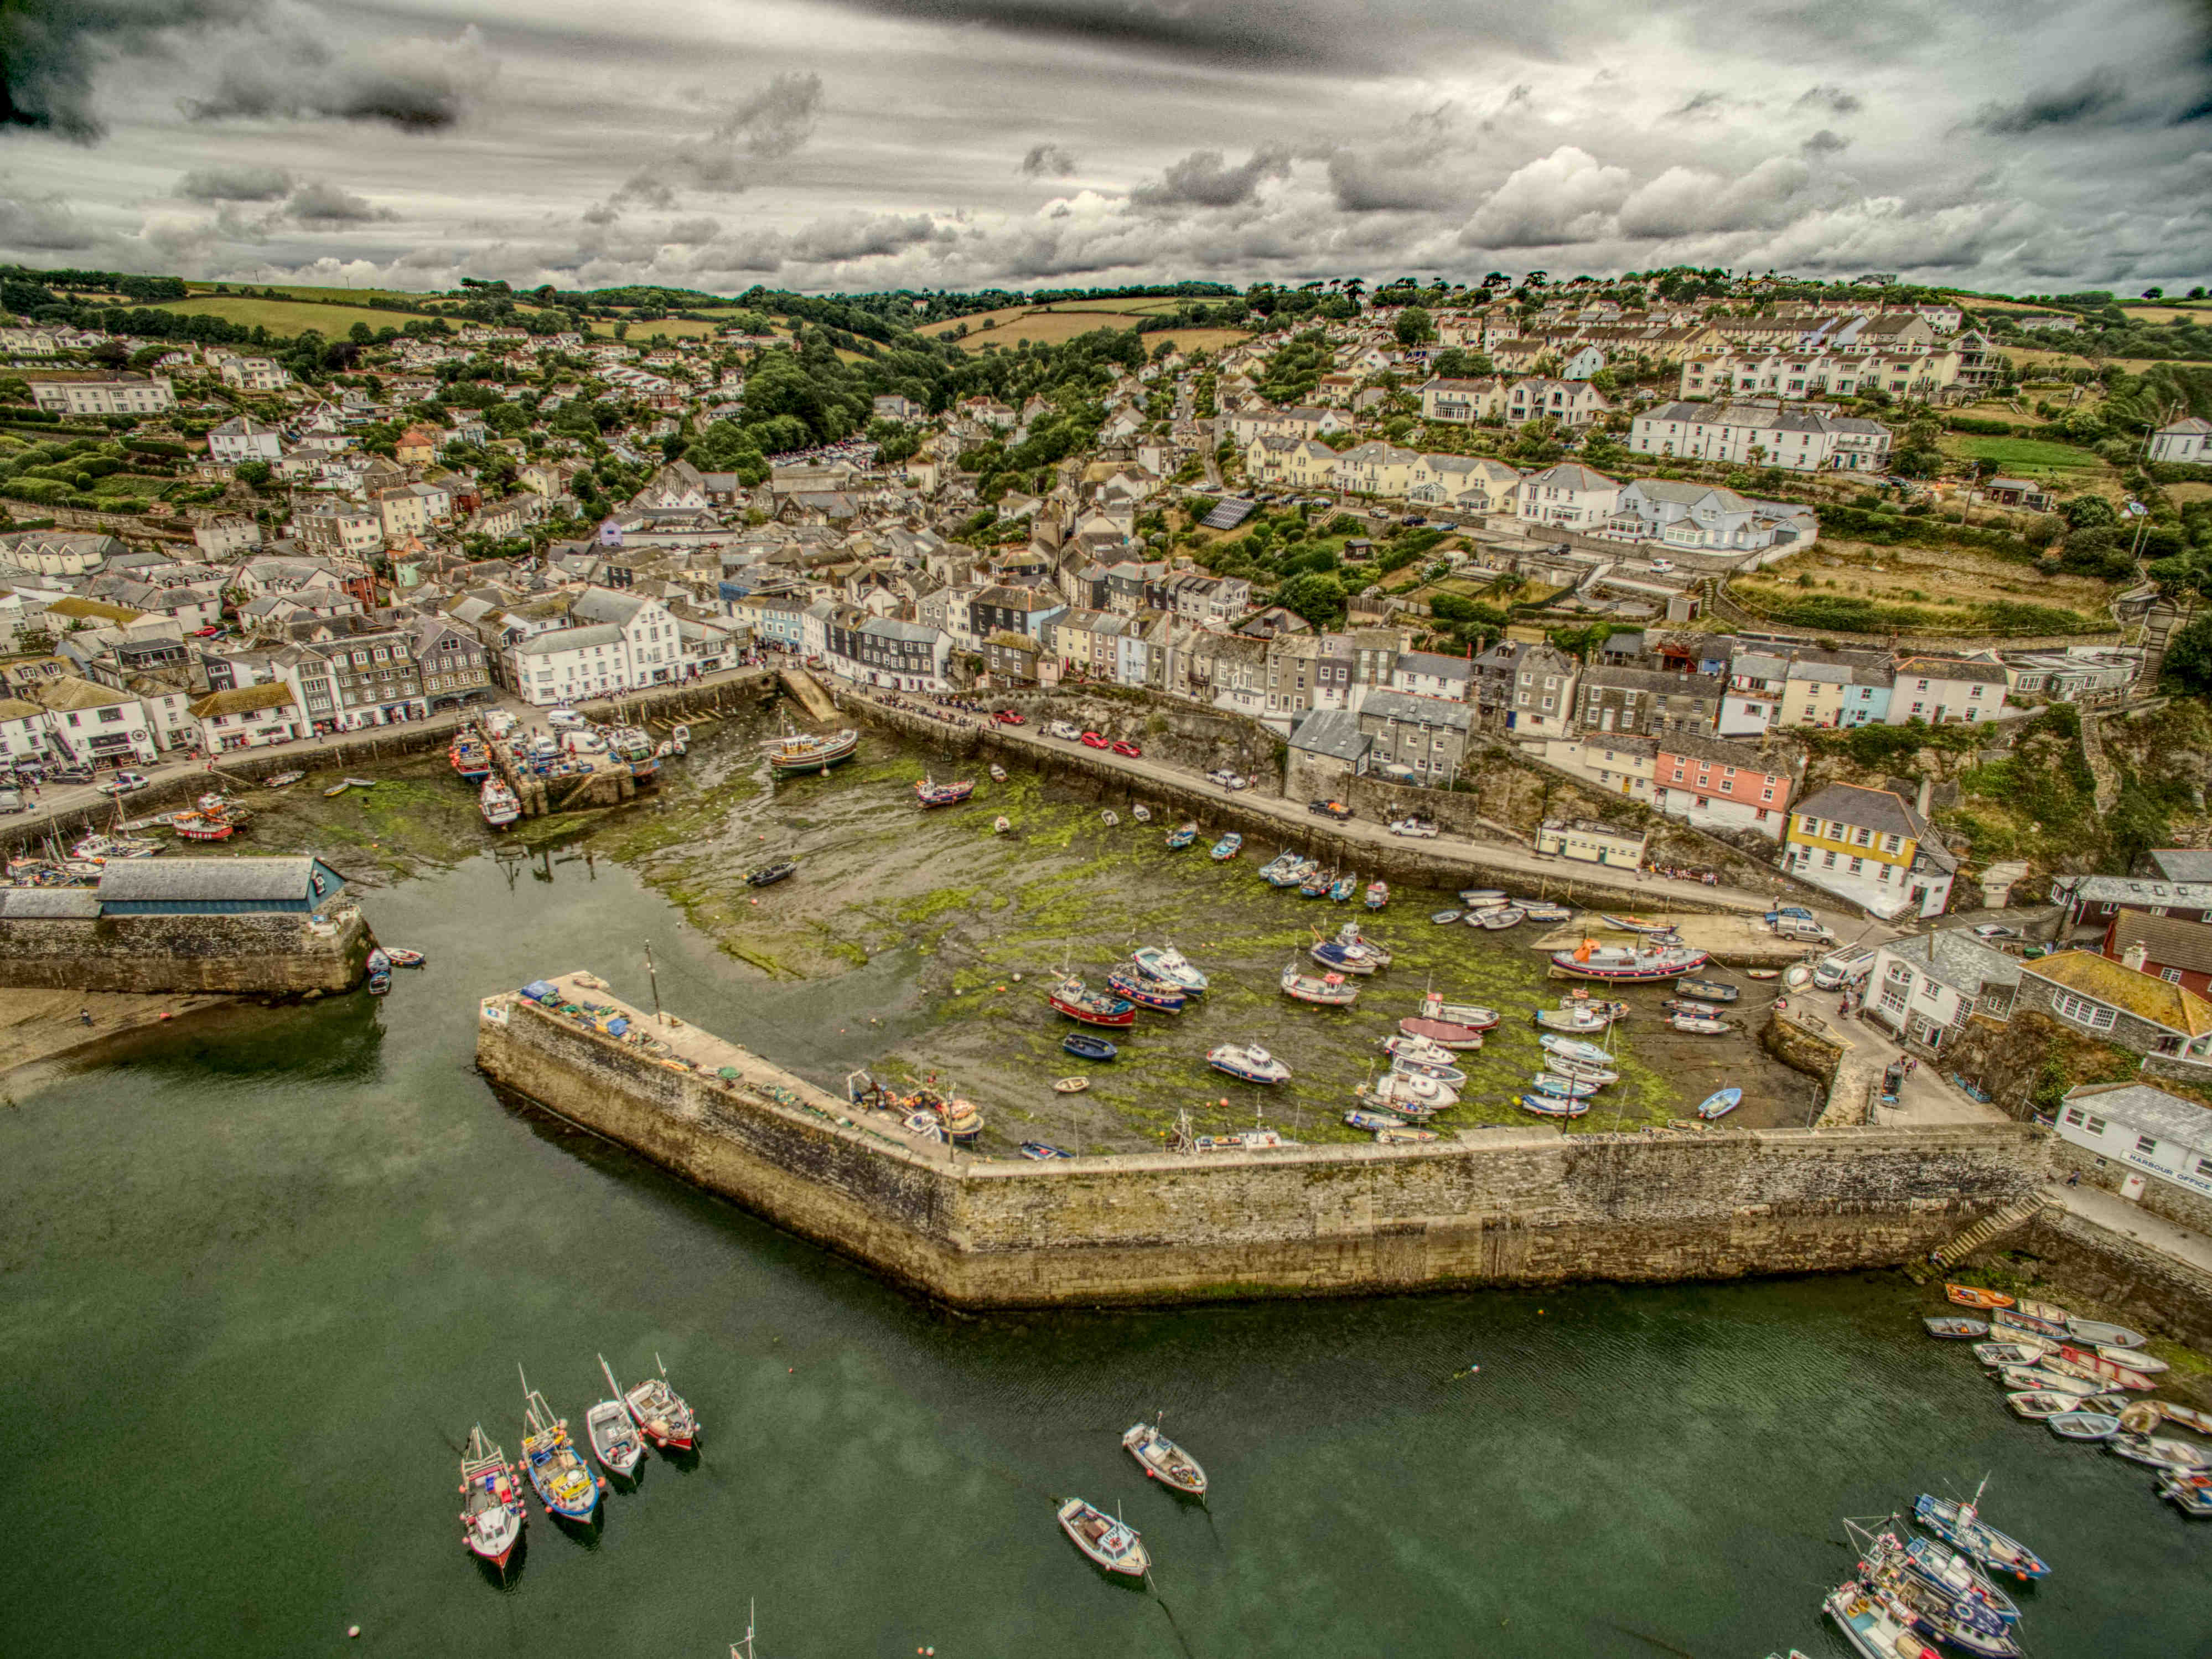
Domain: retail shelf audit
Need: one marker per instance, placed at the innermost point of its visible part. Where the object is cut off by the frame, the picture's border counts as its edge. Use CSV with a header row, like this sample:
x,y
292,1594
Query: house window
x,y
2073,1115
1828,860
2170,975
2083,1012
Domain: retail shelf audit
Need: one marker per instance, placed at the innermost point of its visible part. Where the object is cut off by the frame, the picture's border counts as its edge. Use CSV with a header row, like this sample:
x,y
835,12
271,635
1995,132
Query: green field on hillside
x,y
2017,455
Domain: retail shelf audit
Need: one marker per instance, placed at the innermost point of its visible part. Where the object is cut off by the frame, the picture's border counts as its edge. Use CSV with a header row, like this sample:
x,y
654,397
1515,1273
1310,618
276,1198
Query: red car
x,y
1124,747
1092,740
1007,717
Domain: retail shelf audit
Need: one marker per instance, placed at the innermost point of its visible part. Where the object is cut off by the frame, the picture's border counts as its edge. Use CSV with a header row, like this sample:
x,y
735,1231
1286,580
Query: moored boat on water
x,y
663,1415
1961,1525
493,1514
2043,1381
1330,990
2085,1425
614,1436
2017,1351
2039,1405
1869,1625
1164,1460
1955,1326
564,1486
1107,1542
500,804
2160,1453
378,967
1247,1062
400,956
1957,1576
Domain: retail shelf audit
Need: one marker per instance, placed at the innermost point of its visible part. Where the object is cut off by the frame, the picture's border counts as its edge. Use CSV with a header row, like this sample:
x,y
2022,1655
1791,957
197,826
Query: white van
x,y
565,719
1844,968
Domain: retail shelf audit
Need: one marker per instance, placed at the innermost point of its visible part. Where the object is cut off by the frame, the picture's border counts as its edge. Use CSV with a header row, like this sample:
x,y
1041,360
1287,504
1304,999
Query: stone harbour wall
x,y
1509,1206
282,954
2158,1294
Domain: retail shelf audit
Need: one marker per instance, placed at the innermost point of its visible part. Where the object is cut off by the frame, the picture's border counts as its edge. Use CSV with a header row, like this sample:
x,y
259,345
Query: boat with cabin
x,y
565,1484
1166,964
1110,1543
614,1436
1868,1625
1342,890
1181,836
928,793
1574,1049
500,804
1377,894
1330,991
493,1513
1247,1062
662,1415
1071,997
1341,958
1164,1460
1956,1575
769,874
1405,1092
470,758
1635,965
1472,1015
794,753
1960,1524
1317,883
1128,980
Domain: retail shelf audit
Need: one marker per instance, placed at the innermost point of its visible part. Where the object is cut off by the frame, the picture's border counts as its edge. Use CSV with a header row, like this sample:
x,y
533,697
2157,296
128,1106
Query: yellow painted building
x,y
1870,847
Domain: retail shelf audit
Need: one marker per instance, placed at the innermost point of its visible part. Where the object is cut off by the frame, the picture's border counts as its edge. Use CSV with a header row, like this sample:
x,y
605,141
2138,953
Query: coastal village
x,y
1723,665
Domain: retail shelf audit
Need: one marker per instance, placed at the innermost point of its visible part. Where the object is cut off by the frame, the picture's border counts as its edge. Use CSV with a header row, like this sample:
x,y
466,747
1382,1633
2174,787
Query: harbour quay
x,y
1517,1205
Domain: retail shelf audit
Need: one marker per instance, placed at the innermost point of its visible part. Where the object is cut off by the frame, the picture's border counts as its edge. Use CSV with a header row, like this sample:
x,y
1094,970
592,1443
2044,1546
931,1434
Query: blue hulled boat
x,y
565,1485
1127,979
1227,847
1088,1047
1961,1524
1181,836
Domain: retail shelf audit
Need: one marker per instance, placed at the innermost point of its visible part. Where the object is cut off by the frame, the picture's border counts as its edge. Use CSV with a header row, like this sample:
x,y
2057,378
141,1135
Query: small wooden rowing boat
x,y
1973,1296
1163,1461
363,783
400,956
2038,1406
337,789
998,773
1551,1105
2049,1310
2048,1380
1042,1150
2087,1362
1444,918
1088,1047
1762,973
1071,1086
2016,1352
2136,1359
2085,1425
2013,1319
2188,1416
1109,817
1955,1326
2098,1333
1000,825
1142,813
1721,1103
282,780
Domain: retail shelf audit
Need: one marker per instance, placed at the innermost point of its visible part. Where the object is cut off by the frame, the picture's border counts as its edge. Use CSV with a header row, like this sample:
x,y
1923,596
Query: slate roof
x,y
1331,732
276,878
2183,863
2147,1110
1877,810
570,639
2167,941
1425,711
1954,957
244,699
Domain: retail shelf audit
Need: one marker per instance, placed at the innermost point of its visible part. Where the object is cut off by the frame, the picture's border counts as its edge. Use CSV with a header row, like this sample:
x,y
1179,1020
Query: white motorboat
x,y
1165,963
614,1439
1248,1062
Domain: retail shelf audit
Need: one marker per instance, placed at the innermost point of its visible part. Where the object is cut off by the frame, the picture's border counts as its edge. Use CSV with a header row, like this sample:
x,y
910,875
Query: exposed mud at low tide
x,y
977,923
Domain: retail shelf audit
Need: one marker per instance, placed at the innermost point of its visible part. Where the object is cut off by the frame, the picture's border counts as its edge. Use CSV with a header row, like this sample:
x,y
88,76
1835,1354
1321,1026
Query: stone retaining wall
x,y
282,954
2156,1293
1512,1206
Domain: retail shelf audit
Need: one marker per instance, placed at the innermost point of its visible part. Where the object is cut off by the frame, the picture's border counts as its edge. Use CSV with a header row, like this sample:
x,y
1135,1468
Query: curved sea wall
x,y
1509,1206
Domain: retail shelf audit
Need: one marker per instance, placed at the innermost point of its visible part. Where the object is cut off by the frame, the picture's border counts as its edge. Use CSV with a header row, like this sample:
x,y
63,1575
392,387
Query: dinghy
x,y
1088,1047
1433,1006
1707,990
1109,817
1444,918
1378,894
1551,1083
1043,1152
1181,836
1698,1025
1551,1105
2139,1360
1499,920
2012,1319
1955,1326
1580,1072
1972,1295
2016,1351
1107,1542
2087,1362
1225,849
1071,1085
400,955
998,773
2098,1335
1142,813
1000,825
1163,1461
2045,1381
2039,1405
2161,1454
1406,1136
2084,1425
1721,1103
2188,1416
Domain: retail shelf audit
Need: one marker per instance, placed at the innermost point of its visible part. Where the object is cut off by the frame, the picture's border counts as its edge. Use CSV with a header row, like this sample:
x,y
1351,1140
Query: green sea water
x,y
260,1272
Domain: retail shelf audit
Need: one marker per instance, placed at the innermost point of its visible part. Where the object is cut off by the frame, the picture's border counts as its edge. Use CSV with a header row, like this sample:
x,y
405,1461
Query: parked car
x,y
1802,931
1844,968
11,800
71,775
1330,808
124,783
1420,828
1995,930
1008,717
1092,740
1797,911
1228,780
1063,731
1126,747
1662,566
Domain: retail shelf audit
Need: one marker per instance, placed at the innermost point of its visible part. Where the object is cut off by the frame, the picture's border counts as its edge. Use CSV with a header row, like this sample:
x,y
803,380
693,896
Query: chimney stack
x,y
1927,789
2134,957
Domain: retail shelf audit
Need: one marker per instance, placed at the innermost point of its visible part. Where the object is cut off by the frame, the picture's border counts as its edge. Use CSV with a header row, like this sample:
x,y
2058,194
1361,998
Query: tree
x,y
1318,597
1414,325
255,473
2189,658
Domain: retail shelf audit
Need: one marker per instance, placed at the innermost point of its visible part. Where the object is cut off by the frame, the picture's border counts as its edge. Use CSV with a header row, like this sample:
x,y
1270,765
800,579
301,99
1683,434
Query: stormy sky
x,y
851,144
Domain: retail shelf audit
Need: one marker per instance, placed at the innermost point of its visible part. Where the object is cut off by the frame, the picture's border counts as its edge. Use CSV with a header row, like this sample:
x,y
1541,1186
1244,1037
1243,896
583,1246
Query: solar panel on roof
x,y
1227,515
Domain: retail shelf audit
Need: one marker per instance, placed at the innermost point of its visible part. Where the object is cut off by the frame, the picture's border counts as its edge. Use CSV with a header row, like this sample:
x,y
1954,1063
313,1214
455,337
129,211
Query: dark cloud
x,y
234,184
857,238
771,124
1047,161
1833,98
2097,97
1701,107
1825,143
318,203
49,49
414,86
44,224
691,230
1204,178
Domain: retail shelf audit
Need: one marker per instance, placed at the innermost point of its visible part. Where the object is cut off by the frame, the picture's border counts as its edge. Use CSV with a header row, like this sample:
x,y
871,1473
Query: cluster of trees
x,y
1293,370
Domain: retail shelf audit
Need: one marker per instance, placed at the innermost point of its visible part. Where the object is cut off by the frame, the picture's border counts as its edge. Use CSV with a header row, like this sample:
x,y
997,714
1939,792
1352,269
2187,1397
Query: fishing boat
x,y
2087,1362
492,1511
1634,924
2013,1320
1405,1092
1571,1020
1957,1576
1316,884
1552,1082
1699,1024
1342,890
2161,1454
1360,1118
470,758
1499,920
928,793
1224,849
1551,1105
1109,817
1642,965
614,1437
500,804
1474,1014
1162,1460
1181,836
378,969
794,753
1707,990
336,789
2142,1361
1574,1049
1070,1085
1330,991
206,826
401,957
1351,938
1963,1624
1247,1062
1071,997
2045,1380
1042,1150
1961,1524
1444,918
998,773
2190,1499
282,780
1956,1326
1110,1543
1868,1625
1128,980
1341,958
2039,1405
769,874
2085,1425
1378,894
665,1417
1284,870
1170,965
564,1486
1433,1071
1405,1046
2014,1353
1721,1103
1088,1047
1001,824
2098,1333
1443,1033
1973,1296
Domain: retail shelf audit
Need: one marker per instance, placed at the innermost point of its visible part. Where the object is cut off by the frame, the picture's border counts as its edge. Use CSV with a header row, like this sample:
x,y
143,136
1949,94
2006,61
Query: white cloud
x,y
1566,197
